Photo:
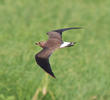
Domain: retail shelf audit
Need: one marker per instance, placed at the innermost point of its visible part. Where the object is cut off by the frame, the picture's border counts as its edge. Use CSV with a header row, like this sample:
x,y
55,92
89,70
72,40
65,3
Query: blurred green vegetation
x,y
82,71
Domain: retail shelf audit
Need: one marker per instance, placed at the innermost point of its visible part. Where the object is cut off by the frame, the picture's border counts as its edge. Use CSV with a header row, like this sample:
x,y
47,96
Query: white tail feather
x,y
65,44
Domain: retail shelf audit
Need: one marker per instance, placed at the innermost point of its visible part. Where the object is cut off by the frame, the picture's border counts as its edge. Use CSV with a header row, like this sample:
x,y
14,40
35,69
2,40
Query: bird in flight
x,y
54,42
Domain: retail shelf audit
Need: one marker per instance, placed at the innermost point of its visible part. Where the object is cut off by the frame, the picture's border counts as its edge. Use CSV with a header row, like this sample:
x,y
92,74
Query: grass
x,y
82,71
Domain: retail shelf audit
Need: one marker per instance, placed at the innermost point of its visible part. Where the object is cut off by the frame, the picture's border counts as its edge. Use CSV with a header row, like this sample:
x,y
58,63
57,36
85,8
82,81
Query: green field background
x,y
82,72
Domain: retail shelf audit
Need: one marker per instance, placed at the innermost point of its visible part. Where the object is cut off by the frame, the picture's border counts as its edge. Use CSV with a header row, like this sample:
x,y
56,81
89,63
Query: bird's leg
x,y
67,44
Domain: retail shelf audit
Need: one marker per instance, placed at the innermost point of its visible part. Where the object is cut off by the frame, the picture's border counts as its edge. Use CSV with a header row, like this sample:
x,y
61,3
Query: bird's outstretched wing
x,y
58,33
42,59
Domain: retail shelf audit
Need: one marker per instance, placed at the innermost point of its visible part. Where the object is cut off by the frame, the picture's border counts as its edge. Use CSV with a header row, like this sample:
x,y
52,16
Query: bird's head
x,y
41,44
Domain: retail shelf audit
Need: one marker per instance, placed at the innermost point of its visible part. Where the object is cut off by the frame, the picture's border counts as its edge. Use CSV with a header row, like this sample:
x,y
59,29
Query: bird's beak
x,y
36,43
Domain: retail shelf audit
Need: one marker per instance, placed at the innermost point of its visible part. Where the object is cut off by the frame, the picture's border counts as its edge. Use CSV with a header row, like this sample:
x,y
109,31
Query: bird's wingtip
x,y
51,74
54,77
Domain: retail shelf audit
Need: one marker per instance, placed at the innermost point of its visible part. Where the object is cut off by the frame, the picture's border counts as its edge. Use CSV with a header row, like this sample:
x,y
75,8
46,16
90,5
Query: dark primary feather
x,y
44,64
64,29
42,59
